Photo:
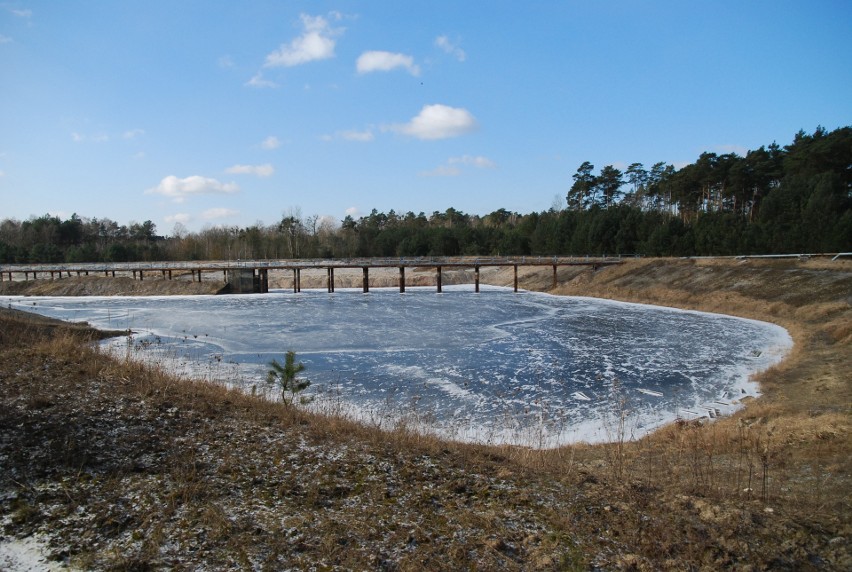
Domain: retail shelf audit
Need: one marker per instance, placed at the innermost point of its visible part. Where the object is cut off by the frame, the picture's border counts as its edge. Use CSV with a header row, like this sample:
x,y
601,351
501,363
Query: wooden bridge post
x,y
295,281
264,281
170,274
401,279
330,279
476,278
554,276
366,270
298,279
438,278
141,276
516,277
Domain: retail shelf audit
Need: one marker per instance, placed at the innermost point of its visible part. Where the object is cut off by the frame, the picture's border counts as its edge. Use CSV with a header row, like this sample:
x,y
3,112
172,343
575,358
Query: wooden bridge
x,y
247,276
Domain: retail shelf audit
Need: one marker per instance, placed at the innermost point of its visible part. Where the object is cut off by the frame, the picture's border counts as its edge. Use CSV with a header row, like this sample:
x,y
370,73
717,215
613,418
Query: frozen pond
x,y
493,367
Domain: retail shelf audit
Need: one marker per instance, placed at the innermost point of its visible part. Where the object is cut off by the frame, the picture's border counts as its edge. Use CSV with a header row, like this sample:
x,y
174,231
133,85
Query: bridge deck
x,y
288,264
246,276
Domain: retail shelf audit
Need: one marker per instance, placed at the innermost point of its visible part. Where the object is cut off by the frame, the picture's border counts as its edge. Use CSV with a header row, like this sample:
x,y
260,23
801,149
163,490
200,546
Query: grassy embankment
x,y
128,468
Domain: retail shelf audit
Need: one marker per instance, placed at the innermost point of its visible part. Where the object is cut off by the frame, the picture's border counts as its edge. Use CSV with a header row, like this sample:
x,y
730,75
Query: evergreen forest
x,y
773,200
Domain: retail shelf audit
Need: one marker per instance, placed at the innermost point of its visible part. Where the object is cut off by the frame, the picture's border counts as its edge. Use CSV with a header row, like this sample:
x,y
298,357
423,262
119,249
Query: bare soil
x,y
125,468
108,286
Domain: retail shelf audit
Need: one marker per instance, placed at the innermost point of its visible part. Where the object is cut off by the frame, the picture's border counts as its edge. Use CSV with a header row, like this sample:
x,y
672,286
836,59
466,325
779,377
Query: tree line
x,y
773,200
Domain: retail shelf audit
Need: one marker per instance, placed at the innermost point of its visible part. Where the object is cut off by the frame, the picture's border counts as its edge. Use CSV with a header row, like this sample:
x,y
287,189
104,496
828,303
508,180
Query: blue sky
x,y
230,113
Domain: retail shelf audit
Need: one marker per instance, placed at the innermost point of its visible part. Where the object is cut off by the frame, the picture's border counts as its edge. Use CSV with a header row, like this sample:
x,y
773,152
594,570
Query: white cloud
x,y
21,13
353,212
226,62
438,122
385,61
449,47
219,212
2,173
179,190
182,218
271,142
478,162
316,43
258,81
264,170
5,39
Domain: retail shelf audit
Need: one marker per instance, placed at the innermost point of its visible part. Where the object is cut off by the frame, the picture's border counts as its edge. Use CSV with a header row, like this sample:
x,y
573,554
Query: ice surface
x,y
495,366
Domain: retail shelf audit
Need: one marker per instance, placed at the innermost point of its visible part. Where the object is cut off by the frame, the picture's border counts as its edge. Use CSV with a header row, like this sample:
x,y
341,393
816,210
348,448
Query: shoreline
x,y
739,387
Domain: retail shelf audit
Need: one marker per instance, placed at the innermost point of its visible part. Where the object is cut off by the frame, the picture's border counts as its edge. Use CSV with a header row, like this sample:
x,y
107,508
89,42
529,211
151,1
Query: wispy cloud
x,y
179,190
374,61
451,48
21,13
358,136
5,39
315,43
454,164
271,142
258,81
438,122
264,170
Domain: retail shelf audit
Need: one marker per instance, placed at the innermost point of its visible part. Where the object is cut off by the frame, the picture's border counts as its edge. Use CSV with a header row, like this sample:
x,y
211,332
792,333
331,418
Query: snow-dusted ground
x,y
27,555
492,367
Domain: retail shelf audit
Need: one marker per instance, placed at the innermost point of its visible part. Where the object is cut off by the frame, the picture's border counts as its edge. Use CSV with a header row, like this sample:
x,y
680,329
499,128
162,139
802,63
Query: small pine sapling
x,y
285,377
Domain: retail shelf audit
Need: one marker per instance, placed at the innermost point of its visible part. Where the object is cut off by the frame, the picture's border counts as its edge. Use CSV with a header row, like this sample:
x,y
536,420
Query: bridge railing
x,y
305,263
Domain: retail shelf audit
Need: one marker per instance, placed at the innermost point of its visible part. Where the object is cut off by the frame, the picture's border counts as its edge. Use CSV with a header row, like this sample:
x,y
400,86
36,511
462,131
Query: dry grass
x,y
129,468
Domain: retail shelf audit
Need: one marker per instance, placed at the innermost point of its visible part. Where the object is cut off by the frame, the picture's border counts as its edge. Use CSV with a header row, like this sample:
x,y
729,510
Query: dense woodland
x,y
774,200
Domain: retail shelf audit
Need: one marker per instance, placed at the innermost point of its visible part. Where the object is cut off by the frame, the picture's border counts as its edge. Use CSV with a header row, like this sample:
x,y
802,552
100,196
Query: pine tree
x,y
285,377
